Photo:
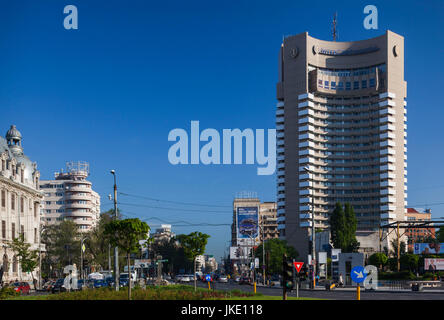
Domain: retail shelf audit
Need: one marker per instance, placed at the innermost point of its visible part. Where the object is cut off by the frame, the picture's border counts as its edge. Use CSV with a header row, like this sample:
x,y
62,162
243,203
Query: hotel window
x,y
3,229
35,235
22,175
22,231
326,84
348,85
48,210
22,204
355,85
12,202
3,199
364,84
341,85
333,85
13,230
372,83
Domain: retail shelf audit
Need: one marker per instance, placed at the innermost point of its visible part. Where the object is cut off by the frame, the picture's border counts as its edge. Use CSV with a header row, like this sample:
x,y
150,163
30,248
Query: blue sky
x,y
110,92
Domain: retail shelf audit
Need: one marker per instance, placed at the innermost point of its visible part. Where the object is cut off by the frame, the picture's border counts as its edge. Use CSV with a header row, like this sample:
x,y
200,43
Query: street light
x,y
313,233
116,250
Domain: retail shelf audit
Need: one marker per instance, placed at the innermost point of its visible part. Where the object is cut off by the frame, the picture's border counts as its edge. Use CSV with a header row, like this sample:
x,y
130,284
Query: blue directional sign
x,y
358,274
208,278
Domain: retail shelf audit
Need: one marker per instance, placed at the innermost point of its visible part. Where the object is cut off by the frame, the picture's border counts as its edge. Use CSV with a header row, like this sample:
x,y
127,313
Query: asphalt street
x,y
338,294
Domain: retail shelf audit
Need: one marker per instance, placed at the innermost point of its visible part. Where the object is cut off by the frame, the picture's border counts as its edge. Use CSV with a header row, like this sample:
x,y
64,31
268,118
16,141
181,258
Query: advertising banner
x,y
239,253
247,225
428,248
433,264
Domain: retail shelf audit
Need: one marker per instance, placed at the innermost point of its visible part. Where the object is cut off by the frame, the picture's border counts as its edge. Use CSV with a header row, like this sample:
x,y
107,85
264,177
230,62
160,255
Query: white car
x,y
223,279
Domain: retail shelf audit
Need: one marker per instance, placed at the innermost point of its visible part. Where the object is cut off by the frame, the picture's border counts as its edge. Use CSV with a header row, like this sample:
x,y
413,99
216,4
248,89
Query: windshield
x,y
123,276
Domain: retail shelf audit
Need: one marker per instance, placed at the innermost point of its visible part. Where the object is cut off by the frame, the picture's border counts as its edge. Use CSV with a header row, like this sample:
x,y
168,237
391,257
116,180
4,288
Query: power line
x,y
168,208
174,202
176,223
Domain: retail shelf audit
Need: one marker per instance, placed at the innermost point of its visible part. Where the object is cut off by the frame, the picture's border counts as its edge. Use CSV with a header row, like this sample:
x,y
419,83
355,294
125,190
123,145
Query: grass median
x,y
172,292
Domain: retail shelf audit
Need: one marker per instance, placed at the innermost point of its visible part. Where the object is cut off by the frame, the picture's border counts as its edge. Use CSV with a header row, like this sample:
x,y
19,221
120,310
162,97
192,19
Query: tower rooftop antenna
x,y
334,30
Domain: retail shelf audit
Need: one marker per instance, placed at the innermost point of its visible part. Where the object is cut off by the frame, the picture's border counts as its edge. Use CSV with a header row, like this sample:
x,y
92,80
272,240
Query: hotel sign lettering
x,y
347,52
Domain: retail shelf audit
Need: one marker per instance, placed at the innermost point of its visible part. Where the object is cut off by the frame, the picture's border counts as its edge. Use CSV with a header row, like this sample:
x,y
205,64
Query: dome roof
x,y
13,133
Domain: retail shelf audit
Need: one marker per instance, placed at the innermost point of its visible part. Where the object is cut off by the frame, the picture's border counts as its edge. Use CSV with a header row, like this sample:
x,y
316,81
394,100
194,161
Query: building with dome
x,y
70,197
20,200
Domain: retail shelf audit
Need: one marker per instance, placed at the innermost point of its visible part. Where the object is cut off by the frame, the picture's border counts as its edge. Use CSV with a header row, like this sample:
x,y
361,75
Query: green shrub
x,y
7,292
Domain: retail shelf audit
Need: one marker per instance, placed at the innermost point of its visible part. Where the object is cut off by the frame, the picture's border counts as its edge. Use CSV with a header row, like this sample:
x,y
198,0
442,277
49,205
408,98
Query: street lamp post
x,y
313,231
116,250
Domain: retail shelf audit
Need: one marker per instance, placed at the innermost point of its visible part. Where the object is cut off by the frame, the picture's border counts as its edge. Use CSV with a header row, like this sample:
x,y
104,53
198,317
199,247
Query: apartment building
x,y
71,197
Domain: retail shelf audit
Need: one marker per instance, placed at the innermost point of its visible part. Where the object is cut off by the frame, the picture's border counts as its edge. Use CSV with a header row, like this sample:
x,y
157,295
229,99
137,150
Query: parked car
x,y
47,286
81,284
237,279
245,280
185,278
123,280
58,286
223,279
22,287
100,284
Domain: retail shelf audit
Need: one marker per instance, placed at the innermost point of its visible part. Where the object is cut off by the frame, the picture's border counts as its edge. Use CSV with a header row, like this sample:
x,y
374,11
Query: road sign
x,y
164,260
358,274
83,248
208,278
298,266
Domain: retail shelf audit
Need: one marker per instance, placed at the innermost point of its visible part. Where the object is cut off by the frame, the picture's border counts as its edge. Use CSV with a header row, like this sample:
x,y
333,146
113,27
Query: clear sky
x,y
110,92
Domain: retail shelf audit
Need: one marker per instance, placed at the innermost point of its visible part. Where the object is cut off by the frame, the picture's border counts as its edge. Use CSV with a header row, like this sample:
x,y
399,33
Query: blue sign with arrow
x,y
358,274
208,278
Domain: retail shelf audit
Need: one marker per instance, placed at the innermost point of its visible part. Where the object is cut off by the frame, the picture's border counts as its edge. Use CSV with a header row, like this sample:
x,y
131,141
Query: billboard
x,y
239,253
247,225
428,248
433,264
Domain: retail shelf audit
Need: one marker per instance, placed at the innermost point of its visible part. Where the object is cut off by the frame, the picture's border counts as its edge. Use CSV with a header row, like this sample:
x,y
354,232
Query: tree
x,y
176,255
338,227
343,226
193,245
352,245
28,258
378,259
275,249
97,243
440,234
409,262
126,234
62,245
402,248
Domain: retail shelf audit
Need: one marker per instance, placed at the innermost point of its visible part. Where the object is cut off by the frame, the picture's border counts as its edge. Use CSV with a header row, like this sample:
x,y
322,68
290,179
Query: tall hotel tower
x,y
341,133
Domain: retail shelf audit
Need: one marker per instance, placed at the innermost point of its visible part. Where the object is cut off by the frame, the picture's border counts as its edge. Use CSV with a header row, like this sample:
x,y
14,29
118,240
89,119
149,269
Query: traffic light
x,y
287,270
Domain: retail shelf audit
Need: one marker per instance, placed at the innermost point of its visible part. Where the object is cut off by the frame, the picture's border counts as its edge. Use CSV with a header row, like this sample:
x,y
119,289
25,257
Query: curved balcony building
x,y
341,133
70,196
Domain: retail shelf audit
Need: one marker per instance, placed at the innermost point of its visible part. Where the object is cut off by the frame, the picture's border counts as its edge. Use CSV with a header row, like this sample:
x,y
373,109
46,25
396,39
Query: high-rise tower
x,y
341,133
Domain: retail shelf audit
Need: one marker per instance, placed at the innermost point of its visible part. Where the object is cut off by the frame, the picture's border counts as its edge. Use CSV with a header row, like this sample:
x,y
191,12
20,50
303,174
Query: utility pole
x,y
40,255
116,249
313,231
263,249
397,236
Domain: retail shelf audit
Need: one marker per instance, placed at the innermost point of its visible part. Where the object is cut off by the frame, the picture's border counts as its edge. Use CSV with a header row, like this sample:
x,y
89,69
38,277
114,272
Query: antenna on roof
x,y
334,31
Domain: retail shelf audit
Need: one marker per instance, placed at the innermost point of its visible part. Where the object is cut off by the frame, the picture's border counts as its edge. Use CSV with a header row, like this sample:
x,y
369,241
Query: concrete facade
x,y
341,113
70,196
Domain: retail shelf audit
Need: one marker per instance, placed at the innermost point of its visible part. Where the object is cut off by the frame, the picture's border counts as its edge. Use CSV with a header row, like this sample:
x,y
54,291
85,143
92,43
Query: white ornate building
x,y
20,200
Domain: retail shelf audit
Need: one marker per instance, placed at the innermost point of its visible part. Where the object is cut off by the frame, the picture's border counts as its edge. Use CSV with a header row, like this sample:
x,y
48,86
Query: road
x,y
334,295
